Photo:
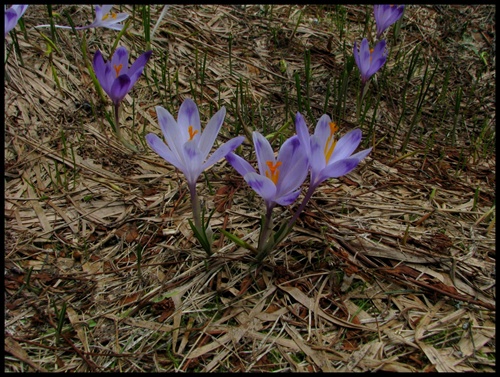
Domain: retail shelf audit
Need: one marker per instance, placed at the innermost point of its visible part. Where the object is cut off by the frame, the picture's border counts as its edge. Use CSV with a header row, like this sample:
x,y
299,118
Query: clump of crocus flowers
x,y
279,180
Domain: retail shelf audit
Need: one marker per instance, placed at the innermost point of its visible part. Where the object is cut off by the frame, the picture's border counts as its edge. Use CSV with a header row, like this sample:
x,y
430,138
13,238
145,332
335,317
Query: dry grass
x,y
381,273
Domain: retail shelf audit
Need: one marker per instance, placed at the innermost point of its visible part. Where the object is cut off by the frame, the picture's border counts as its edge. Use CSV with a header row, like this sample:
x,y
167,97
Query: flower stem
x,y
299,210
265,234
295,216
196,207
117,122
360,99
200,229
266,241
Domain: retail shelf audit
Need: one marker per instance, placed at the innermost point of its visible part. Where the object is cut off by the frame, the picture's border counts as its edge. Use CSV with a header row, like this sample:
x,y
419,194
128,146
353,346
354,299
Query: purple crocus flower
x,y
369,60
103,18
115,76
187,146
12,16
386,15
279,179
328,157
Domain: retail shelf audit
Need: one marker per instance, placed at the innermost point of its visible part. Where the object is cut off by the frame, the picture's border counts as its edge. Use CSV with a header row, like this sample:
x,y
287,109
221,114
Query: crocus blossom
x,y
279,179
187,146
329,157
103,18
386,15
115,76
369,60
12,16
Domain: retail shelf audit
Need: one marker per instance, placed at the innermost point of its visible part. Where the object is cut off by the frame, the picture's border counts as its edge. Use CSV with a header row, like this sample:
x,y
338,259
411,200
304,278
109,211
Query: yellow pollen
x,y
192,133
273,173
330,142
118,68
113,15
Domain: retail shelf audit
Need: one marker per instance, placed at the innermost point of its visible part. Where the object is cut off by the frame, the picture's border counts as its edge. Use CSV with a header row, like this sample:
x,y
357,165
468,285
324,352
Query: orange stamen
x,y
371,56
330,142
118,68
192,133
113,15
273,173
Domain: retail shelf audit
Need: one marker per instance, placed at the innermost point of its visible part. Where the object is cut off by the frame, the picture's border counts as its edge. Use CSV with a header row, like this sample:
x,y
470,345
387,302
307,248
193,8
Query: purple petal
x,y
223,150
174,137
343,167
119,89
109,78
346,145
322,130
338,169
119,17
239,164
365,56
100,70
362,58
303,133
192,162
12,16
10,20
119,61
263,186
294,166
137,67
386,15
20,9
377,63
100,12
189,116
112,26
156,144
317,160
378,58
288,199
362,154
211,131
263,151
380,48
294,178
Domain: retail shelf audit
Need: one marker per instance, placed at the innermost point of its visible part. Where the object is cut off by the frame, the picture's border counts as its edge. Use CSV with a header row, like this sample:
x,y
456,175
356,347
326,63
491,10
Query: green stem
x,y
117,122
364,90
299,210
265,233
295,216
196,207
